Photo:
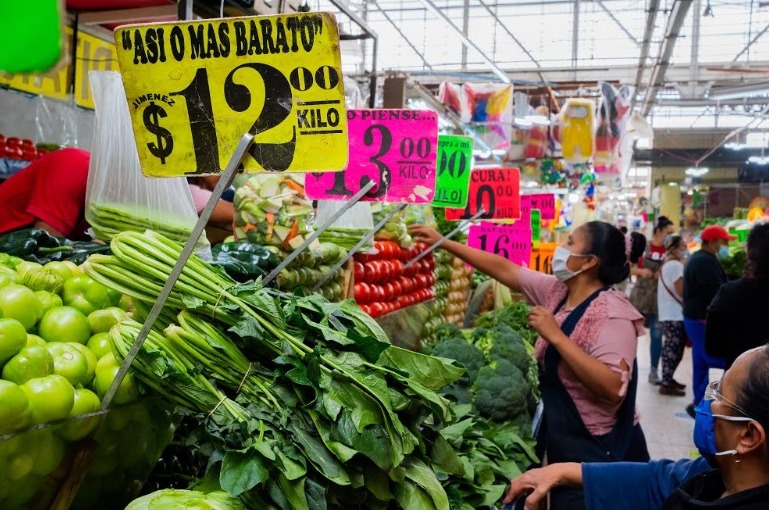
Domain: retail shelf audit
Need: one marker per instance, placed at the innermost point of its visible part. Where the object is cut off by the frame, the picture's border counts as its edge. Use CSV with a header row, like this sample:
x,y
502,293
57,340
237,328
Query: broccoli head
x,y
461,351
508,345
501,391
445,331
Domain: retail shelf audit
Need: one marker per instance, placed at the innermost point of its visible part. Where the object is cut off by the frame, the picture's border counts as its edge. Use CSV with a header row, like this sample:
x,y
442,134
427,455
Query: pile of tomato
x,y
384,284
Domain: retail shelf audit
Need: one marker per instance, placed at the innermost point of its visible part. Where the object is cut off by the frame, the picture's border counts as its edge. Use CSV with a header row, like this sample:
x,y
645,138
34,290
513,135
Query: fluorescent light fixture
x,y
759,160
697,171
739,91
734,146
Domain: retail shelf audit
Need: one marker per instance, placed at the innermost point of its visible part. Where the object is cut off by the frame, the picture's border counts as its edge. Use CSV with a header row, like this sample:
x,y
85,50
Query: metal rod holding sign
x,y
312,237
369,235
232,167
436,245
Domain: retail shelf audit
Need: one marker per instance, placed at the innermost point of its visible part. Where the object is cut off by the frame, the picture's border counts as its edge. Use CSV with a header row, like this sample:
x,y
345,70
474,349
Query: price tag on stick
x,y
455,161
394,148
545,202
496,190
512,242
194,87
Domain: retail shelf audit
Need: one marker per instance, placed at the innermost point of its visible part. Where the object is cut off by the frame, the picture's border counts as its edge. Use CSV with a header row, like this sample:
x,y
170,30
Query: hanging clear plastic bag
x,y
349,228
119,196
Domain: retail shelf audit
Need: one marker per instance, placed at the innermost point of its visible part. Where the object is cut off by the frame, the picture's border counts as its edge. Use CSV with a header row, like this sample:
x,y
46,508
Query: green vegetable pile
x,y
37,245
515,314
305,403
107,220
170,498
499,366
346,237
244,261
310,267
395,229
734,264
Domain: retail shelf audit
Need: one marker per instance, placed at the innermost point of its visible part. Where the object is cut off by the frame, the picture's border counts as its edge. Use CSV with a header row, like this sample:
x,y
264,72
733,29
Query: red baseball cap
x,y
716,232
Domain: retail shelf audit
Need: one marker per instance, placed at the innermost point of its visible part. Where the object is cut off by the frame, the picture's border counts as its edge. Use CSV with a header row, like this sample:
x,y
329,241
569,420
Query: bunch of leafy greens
x,y
515,314
305,403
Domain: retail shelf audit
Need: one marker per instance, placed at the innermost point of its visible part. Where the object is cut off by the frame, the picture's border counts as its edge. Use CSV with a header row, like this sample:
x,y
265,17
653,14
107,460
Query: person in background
x,y
703,277
738,317
637,248
670,293
201,189
644,293
48,194
730,432
586,349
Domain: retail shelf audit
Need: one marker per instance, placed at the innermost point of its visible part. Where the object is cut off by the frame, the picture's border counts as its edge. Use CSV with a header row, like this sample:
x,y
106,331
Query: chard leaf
x,y
338,395
368,346
293,490
291,468
317,453
248,327
241,471
316,495
192,302
341,451
377,483
444,456
372,441
431,372
421,474
410,497
494,494
454,432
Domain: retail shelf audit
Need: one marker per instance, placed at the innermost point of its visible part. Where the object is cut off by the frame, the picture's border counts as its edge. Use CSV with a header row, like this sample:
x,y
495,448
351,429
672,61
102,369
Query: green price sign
x,y
536,224
455,160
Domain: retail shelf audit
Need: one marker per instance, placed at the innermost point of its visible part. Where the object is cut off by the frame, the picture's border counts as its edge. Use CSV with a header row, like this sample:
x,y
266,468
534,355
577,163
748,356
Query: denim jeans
x,y
701,360
655,341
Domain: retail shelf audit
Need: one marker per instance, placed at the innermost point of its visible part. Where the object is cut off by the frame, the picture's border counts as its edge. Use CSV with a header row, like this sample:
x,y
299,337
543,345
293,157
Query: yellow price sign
x,y
195,87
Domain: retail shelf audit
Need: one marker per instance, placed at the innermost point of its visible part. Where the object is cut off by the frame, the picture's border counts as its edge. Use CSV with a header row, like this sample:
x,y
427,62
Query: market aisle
x,y
667,427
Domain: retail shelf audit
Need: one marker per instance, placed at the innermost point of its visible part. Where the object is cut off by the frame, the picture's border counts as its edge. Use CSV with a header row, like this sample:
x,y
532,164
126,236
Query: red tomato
x,y
373,271
366,309
431,278
397,268
430,263
389,290
386,270
359,271
397,288
362,292
422,281
430,293
377,309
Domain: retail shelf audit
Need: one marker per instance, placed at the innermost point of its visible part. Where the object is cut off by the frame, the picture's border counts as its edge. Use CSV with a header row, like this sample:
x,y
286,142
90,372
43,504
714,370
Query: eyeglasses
x,y
712,393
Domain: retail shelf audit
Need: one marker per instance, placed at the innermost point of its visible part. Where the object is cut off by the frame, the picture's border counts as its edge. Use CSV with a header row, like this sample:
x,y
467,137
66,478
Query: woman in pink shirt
x,y
586,350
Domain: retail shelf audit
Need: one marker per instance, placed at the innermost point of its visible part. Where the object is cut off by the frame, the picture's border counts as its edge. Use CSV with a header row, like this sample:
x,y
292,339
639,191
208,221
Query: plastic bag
x,y
119,196
349,228
272,209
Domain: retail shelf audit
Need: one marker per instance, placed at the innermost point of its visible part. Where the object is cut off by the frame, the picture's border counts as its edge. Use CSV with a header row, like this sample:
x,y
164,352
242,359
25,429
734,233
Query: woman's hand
x,y
535,484
424,234
543,321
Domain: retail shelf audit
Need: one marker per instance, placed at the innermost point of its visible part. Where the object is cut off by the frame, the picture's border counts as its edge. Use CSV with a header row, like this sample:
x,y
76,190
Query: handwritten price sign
x,y
455,161
194,88
545,202
512,242
394,148
497,190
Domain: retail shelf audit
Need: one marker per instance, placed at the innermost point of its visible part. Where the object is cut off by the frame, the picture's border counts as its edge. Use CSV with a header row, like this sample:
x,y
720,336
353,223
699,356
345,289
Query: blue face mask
x,y
704,429
723,252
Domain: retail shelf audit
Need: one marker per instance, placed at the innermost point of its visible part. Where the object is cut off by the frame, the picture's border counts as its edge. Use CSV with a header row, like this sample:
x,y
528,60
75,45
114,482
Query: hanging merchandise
x,y
487,107
538,137
576,120
611,122
119,197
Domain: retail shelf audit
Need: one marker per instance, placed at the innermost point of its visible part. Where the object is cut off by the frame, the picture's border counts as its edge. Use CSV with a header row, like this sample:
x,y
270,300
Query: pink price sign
x,y
394,148
545,202
512,242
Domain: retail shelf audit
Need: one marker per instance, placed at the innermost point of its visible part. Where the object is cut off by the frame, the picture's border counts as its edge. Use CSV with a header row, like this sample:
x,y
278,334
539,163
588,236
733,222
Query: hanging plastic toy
x,y
577,130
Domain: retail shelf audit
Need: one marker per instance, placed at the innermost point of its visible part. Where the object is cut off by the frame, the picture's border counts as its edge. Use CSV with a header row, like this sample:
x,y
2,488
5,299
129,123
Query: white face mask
x,y
560,270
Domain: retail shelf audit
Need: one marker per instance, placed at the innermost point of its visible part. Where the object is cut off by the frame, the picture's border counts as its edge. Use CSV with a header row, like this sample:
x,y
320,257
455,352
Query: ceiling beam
x,y
651,18
514,38
751,43
617,22
403,36
466,40
672,30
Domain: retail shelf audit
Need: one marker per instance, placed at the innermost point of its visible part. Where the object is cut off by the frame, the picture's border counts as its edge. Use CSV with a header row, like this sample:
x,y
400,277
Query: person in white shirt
x,y
670,307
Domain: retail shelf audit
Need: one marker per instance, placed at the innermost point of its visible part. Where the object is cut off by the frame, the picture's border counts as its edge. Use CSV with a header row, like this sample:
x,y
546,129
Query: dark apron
x,y
564,436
